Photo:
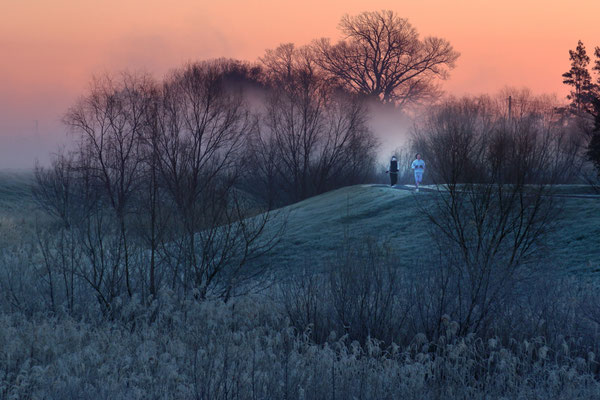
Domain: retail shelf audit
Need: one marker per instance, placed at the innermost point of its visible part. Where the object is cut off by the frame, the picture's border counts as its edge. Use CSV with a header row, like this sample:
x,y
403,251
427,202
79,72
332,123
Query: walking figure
x,y
418,166
393,171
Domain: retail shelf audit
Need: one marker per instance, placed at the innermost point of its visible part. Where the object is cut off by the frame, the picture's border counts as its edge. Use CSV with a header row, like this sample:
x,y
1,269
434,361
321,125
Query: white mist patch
x,y
24,143
392,127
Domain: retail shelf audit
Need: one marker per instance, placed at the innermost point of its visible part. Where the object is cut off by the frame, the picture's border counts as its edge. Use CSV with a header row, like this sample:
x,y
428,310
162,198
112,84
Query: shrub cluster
x,y
246,349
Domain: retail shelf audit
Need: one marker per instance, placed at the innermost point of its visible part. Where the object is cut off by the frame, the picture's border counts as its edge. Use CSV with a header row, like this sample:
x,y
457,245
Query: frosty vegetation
x,y
145,270
372,333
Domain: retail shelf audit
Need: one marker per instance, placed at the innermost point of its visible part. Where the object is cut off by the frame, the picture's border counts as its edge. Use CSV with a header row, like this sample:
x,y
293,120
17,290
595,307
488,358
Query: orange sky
x,y
49,49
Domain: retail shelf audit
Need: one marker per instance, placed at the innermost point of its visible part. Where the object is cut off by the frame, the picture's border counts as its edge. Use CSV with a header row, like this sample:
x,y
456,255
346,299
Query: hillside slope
x,y
15,191
317,227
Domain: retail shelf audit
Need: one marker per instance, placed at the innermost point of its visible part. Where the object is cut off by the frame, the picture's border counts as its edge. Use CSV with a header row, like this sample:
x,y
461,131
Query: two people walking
x,y
418,166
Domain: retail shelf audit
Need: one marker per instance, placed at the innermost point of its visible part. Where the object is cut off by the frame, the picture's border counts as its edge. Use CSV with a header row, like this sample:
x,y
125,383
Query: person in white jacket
x,y
418,166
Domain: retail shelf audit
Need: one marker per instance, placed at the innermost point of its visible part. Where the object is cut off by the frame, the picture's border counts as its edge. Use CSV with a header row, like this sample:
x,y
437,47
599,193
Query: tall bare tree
x,y
110,122
152,189
56,193
382,56
202,126
84,247
152,211
494,199
312,138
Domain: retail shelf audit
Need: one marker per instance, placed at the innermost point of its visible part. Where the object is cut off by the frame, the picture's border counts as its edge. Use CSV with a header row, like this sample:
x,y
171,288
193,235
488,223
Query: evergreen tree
x,y
593,150
597,66
585,96
579,78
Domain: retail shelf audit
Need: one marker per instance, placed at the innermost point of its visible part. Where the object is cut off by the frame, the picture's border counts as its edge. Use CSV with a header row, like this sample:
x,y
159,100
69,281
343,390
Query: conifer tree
x,y
597,64
578,77
585,96
593,151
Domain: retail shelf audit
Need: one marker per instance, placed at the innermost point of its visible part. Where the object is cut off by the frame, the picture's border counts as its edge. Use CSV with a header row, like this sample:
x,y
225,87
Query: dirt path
x,y
411,188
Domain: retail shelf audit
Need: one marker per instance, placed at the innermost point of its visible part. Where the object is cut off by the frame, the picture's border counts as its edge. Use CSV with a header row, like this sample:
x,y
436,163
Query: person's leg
x,y
394,178
418,179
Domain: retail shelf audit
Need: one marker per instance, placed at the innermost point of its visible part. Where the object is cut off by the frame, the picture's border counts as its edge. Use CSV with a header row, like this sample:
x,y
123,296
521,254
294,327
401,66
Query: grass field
x,y
541,341
15,192
317,227
17,207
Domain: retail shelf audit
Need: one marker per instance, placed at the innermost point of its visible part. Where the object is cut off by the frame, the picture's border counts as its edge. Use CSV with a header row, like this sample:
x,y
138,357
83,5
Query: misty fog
x,y
21,147
25,141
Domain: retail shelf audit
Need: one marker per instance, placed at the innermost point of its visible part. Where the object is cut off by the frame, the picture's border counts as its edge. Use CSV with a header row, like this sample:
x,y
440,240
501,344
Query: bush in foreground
x,y
246,349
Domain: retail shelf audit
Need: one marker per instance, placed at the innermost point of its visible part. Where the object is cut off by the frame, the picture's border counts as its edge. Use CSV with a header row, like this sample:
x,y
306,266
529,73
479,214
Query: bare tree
x,y
54,193
152,188
152,210
383,57
83,246
110,122
201,130
494,199
312,138
53,190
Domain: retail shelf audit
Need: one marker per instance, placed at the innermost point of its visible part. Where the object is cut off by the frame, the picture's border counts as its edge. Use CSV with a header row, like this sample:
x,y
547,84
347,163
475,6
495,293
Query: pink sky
x,y
49,49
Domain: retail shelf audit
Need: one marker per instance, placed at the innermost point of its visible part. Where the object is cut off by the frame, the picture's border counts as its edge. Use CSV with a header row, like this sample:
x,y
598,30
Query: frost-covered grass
x,y
319,225
15,192
17,208
576,189
327,337
576,242
246,350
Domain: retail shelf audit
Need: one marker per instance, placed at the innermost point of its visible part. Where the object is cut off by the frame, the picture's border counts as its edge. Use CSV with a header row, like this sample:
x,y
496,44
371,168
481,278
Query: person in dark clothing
x,y
393,171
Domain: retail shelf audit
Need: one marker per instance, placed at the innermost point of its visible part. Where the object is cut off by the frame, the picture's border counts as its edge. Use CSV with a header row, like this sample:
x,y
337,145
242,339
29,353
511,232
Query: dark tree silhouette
x,y
149,195
109,123
313,138
593,150
493,203
585,99
578,77
597,63
202,129
383,57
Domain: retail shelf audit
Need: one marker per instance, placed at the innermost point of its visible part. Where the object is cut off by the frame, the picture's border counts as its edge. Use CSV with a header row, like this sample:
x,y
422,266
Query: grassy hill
x,y
317,227
17,206
15,191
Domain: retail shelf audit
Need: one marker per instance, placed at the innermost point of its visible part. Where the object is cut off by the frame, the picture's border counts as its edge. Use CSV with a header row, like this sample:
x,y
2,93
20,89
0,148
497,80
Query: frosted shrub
x,y
363,295
246,349
354,332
